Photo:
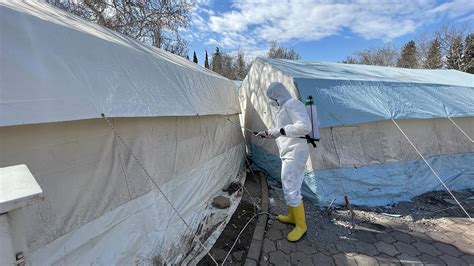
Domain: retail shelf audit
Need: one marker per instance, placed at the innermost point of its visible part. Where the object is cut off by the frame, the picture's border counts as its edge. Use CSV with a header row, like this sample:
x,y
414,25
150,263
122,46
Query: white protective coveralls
x,y
294,151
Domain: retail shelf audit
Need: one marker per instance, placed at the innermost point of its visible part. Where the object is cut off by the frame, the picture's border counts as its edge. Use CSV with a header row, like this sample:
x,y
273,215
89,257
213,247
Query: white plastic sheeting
x,y
58,74
57,67
361,154
100,207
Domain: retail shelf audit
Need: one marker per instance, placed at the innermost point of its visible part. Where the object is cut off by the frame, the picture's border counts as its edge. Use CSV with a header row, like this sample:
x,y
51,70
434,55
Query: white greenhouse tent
x,y
362,153
58,75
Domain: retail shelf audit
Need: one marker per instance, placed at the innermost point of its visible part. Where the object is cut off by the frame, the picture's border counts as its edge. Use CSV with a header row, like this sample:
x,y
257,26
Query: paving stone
x,y
427,248
273,234
407,259
279,225
448,249
343,259
362,259
268,245
450,260
469,259
386,237
322,259
365,248
328,249
404,248
428,259
300,258
420,237
286,246
384,259
403,237
386,248
464,247
279,258
366,236
306,247
345,246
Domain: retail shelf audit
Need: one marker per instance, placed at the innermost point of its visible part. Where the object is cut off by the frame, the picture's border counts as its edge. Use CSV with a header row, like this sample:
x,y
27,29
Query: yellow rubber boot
x,y
300,224
288,219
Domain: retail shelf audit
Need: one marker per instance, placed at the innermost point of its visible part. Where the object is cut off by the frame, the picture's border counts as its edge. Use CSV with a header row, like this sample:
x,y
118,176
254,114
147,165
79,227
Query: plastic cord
x,y
432,170
460,129
156,185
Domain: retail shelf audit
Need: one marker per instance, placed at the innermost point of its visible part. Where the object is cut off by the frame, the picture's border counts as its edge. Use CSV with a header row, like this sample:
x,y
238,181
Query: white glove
x,y
274,133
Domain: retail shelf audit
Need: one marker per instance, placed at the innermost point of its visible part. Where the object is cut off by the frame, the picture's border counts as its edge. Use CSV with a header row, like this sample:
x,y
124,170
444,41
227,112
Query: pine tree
x,y
433,59
217,61
195,59
408,58
468,58
454,58
206,61
187,57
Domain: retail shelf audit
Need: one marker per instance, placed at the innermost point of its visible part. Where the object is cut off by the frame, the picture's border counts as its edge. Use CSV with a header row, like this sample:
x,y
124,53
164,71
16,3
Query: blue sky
x,y
323,30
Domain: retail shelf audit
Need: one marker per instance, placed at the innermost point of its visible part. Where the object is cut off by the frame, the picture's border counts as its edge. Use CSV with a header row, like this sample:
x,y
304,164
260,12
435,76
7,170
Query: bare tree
x,y
448,34
279,52
386,55
454,58
423,43
156,22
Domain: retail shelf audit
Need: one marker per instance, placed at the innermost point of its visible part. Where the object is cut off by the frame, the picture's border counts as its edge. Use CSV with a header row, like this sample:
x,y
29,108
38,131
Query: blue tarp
x,y
354,94
378,184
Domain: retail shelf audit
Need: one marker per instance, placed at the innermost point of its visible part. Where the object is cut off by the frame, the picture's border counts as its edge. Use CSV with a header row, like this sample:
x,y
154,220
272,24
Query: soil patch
x,y
241,216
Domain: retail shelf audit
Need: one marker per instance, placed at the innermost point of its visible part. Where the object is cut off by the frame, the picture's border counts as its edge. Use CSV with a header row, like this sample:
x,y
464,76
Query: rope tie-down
x,y
460,129
157,187
431,168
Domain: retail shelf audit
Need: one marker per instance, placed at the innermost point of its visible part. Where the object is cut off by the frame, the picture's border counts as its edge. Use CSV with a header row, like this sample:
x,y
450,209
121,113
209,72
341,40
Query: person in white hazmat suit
x,y
292,122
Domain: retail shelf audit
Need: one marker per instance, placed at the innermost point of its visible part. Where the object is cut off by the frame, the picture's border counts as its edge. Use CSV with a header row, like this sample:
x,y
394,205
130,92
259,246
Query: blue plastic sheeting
x,y
353,94
380,184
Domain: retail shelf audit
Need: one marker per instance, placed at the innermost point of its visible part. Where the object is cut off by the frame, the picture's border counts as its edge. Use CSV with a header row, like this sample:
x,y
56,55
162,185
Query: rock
x,y
221,202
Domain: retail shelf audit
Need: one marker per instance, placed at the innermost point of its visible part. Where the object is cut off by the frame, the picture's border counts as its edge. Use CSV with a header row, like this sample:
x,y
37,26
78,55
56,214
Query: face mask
x,y
274,103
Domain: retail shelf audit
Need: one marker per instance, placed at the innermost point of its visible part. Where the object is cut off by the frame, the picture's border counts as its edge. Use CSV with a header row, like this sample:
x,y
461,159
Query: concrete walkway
x,y
377,239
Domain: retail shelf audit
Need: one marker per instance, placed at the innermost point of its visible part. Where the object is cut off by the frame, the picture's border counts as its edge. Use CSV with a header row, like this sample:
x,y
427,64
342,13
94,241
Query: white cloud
x,y
454,9
251,24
